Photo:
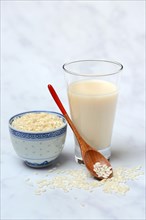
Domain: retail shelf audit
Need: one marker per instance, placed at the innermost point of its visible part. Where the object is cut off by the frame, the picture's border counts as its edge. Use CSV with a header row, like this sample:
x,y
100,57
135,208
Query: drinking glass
x,y
93,87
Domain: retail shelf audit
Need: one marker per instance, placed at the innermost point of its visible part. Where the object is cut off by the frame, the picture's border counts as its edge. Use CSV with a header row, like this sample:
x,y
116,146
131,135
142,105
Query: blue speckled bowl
x,y
38,149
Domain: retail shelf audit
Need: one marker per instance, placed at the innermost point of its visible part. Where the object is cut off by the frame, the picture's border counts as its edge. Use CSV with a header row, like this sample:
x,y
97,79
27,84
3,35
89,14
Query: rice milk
x,y
92,107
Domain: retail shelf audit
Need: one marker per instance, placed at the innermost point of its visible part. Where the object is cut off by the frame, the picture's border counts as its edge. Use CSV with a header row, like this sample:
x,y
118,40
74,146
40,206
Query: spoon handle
x,y
62,109
56,99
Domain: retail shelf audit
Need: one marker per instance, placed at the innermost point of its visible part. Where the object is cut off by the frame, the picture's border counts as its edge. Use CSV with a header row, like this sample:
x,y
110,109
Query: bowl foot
x,y
39,165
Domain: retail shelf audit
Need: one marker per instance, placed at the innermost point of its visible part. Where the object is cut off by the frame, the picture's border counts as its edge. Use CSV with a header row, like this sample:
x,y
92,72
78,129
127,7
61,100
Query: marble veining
x,y
37,38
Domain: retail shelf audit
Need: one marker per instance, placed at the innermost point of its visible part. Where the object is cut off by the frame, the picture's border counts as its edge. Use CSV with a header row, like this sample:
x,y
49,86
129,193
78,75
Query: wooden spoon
x,y
90,155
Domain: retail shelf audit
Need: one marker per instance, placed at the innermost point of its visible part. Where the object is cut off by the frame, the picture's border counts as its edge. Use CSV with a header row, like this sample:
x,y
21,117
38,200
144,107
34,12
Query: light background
x,y
37,38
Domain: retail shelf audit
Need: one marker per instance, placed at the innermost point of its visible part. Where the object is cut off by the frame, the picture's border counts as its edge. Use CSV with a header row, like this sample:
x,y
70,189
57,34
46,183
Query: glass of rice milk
x,y
93,87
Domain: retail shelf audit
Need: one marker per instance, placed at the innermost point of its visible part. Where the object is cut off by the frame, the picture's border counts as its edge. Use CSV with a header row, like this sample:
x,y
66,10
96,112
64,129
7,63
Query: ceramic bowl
x,y
38,149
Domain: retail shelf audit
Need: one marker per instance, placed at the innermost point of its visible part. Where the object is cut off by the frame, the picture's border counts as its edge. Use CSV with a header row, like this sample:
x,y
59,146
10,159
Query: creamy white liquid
x,y
92,106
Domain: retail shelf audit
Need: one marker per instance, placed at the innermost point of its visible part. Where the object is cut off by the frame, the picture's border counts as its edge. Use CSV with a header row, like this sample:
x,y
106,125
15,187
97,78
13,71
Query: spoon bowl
x,y
91,157
89,154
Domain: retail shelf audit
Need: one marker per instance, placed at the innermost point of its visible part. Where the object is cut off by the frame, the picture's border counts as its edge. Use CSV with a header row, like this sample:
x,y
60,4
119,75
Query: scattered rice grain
x,y
79,179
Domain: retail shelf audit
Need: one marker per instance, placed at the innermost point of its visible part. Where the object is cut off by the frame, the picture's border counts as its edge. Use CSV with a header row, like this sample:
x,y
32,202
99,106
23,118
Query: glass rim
x,y
81,74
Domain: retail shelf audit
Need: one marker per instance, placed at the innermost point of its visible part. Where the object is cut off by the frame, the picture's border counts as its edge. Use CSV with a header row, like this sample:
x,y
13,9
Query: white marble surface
x,y
37,38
